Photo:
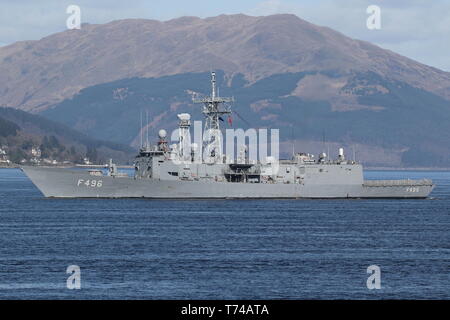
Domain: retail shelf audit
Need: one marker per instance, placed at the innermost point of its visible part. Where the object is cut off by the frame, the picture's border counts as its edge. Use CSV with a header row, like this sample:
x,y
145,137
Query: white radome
x,y
184,116
162,133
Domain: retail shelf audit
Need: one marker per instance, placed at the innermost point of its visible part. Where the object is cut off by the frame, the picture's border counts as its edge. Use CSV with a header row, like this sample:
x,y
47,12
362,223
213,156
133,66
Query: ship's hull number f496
x,y
90,183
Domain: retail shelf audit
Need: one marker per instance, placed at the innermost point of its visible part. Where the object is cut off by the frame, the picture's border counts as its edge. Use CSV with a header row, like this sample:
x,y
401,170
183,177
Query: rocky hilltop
x,y
38,74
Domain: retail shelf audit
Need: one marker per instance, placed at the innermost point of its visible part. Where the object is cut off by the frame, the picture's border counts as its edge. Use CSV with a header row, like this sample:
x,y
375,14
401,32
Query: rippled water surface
x,y
224,249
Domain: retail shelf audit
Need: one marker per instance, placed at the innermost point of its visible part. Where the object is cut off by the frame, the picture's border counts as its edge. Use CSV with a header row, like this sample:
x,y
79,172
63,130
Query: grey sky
x,y
419,29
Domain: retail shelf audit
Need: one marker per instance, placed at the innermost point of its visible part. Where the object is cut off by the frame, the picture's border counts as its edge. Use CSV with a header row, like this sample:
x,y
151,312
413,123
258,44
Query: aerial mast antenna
x,y
140,131
293,143
213,84
323,141
146,128
213,109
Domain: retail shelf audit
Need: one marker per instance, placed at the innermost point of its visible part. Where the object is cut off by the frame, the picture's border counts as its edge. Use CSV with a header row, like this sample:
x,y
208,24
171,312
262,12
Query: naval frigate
x,y
177,172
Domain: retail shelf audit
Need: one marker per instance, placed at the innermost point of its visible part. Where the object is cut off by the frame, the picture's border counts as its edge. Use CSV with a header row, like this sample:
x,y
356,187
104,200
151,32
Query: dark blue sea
x,y
226,249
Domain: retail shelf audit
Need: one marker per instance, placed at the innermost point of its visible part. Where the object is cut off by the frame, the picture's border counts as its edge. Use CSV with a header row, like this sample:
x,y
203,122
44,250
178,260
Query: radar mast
x,y
214,107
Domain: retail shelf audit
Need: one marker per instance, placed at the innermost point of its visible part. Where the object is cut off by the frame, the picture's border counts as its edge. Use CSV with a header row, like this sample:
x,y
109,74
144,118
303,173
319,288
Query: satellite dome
x,y
162,133
184,116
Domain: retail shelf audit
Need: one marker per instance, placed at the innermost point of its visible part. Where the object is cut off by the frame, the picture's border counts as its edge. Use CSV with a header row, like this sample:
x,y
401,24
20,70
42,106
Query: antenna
x,y
323,140
140,131
293,143
213,83
325,144
146,126
213,110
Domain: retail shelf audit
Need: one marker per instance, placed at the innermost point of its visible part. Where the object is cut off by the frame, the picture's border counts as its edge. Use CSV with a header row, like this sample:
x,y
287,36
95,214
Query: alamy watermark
x,y
74,20
74,280
374,280
249,146
374,20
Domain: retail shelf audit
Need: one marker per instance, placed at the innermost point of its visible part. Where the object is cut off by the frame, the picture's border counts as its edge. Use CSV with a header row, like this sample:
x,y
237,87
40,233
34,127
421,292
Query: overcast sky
x,y
419,29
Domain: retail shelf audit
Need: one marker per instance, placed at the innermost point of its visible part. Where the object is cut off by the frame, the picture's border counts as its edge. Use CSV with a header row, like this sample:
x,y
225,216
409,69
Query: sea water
x,y
224,249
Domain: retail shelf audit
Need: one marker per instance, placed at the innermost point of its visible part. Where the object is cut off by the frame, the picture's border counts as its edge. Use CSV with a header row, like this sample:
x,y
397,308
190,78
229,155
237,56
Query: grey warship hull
x,y
65,183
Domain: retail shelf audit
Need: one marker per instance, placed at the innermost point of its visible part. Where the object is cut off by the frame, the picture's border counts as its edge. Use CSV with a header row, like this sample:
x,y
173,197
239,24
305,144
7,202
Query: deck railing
x,y
406,182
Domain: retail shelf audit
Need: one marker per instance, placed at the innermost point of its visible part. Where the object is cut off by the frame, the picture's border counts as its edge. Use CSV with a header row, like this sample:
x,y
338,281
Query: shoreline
x,y
406,169
365,169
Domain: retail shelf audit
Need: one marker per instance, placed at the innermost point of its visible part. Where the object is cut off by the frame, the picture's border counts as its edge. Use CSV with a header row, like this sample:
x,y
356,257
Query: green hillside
x,y
20,132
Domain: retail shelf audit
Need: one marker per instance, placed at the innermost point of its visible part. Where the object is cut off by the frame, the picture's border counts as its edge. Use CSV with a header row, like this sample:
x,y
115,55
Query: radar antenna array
x,y
214,107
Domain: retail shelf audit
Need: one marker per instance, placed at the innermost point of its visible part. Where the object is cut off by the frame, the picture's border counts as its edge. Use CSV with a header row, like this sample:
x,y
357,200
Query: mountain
x,y
314,83
37,74
21,131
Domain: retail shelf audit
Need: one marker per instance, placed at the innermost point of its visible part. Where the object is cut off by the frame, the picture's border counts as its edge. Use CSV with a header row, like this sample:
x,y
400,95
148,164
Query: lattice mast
x,y
214,107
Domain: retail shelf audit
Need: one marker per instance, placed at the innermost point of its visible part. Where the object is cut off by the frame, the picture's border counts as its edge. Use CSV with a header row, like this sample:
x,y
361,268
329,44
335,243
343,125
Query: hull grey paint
x,y
64,183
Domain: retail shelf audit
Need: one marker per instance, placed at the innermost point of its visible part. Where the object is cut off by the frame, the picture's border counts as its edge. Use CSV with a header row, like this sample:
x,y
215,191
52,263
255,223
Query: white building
x,y
4,159
36,152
